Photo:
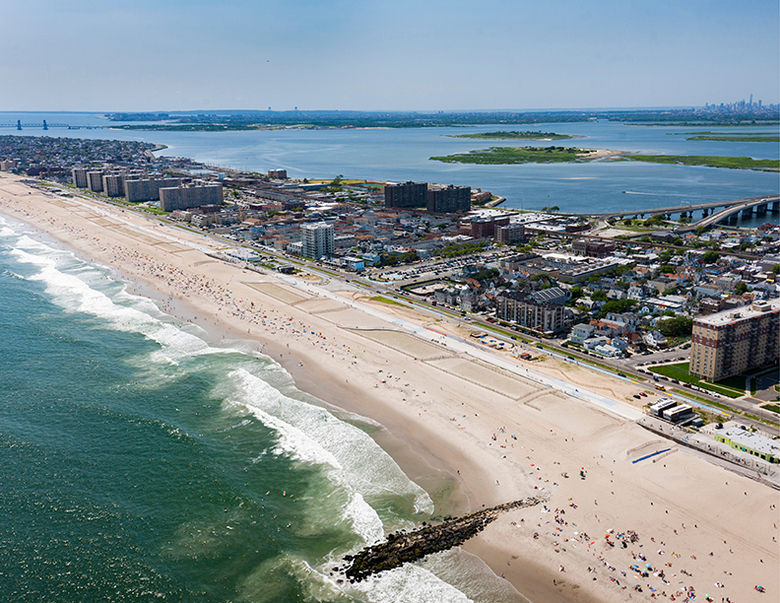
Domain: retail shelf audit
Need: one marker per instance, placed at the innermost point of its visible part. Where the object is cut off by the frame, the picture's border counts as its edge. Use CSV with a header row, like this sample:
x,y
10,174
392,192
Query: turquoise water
x,y
139,462
403,153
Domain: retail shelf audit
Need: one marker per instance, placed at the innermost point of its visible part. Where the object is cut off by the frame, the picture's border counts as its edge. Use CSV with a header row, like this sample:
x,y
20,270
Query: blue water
x,y
138,461
402,154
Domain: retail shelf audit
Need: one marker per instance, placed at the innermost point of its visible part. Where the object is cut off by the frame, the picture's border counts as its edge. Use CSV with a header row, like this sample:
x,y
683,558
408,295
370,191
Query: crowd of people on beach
x,y
645,565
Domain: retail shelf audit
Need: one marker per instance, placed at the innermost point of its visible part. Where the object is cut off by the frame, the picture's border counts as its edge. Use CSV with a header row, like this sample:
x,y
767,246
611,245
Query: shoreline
x,y
429,435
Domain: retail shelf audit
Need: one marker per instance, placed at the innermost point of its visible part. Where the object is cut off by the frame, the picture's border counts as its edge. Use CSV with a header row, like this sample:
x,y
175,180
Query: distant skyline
x,y
172,55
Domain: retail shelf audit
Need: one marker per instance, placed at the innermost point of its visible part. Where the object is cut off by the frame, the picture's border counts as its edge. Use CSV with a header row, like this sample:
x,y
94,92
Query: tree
x,y
598,296
618,306
710,257
776,269
740,287
679,326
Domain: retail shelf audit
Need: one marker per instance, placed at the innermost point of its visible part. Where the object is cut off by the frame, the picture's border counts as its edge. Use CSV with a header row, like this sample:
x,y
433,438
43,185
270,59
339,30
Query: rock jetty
x,y
404,547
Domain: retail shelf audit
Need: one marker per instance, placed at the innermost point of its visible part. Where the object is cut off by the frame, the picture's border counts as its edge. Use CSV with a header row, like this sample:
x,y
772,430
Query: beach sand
x,y
448,418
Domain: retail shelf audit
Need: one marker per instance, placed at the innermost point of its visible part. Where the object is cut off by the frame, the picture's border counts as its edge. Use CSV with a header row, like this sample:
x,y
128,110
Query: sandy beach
x,y
613,529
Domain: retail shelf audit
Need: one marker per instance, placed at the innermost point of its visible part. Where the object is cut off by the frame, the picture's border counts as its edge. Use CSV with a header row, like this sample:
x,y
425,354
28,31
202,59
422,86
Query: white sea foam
x,y
408,583
369,469
69,283
352,460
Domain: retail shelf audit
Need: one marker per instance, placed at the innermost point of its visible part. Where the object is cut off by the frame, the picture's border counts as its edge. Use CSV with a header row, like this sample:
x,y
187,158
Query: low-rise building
x,y
593,248
738,437
581,332
654,339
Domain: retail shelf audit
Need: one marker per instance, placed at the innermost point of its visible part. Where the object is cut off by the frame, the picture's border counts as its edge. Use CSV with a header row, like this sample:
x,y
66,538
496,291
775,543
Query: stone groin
x,y
404,547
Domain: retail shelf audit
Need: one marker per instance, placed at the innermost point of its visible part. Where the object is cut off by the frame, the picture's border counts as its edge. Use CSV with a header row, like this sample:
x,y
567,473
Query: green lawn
x,y
742,163
773,407
680,372
386,300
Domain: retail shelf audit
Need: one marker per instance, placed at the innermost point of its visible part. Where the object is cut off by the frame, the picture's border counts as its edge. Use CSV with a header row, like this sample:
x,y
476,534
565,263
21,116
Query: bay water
x,y
399,154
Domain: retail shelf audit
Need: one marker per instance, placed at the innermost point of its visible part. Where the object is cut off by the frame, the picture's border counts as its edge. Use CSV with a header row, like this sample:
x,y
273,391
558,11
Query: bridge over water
x,y
680,209
730,214
711,212
43,125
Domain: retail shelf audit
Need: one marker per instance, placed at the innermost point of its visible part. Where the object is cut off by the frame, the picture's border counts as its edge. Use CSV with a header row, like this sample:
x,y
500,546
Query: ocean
x,y
142,461
399,154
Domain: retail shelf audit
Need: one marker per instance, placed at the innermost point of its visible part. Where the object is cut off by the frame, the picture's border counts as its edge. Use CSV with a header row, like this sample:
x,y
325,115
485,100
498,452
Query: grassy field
x,y
510,155
514,135
739,163
680,372
387,300
773,407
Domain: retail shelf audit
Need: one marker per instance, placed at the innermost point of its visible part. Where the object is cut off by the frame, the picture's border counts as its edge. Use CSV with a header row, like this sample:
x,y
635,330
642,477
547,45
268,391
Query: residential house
x,y
655,339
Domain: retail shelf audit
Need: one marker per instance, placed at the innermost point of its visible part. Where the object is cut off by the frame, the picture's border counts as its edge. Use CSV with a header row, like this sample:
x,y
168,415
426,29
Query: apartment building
x,y
317,240
79,177
114,185
543,310
406,195
448,199
148,189
187,197
735,341
511,233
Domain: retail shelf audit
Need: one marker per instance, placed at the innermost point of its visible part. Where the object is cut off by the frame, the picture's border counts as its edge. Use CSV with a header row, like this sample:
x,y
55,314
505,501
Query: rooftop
x,y
748,439
742,313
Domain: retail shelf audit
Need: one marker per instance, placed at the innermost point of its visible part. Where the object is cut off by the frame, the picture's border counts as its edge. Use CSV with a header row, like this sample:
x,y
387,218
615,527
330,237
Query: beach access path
x,y
459,414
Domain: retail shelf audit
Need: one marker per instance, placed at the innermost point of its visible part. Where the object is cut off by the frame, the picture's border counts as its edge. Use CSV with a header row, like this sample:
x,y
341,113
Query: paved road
x,y
463,345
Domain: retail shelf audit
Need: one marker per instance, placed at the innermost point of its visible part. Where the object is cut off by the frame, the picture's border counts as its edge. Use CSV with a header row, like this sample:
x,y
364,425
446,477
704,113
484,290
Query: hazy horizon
x,y
378,110
86,55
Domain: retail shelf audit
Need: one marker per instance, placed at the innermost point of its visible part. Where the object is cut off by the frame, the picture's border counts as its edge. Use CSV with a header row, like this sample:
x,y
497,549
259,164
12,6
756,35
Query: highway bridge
x,y
731,213
688,209
19,125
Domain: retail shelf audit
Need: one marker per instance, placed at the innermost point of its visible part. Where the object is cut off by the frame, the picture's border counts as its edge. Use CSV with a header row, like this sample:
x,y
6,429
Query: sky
x,y
139,55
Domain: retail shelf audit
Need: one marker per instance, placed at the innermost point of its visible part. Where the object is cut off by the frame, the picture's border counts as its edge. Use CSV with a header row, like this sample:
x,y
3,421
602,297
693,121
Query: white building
x,y
317,240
